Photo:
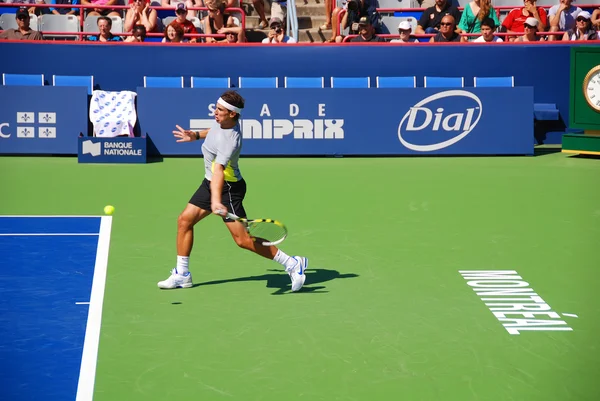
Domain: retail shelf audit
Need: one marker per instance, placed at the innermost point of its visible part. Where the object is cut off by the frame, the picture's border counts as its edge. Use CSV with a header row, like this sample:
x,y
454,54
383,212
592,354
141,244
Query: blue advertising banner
x,y
111,150
415,121
35,120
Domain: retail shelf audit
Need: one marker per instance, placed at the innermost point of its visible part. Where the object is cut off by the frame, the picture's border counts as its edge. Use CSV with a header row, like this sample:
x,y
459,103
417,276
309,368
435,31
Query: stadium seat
x,y
350,82
59,23
444,82
163,82
8,21
72,80
300,82
23,79
209,82
490,82
396,82
258,82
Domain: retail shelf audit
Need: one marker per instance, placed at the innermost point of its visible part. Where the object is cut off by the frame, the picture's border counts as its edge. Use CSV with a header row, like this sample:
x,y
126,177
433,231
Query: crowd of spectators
x,y
360,21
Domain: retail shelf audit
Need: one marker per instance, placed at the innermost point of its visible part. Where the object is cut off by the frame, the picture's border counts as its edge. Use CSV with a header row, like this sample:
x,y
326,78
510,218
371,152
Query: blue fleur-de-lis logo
x,y
25,117
26,132
46,117
46,132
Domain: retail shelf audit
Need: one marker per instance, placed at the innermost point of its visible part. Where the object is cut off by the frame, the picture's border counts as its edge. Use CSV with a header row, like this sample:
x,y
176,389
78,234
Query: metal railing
x,y
292,19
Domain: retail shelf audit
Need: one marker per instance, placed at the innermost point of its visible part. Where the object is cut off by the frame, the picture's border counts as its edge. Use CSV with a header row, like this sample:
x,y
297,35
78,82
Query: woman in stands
x,y
104,12
140,13
531,30
475,12
216,18
174,33
583,29
233,33
596,19
515,20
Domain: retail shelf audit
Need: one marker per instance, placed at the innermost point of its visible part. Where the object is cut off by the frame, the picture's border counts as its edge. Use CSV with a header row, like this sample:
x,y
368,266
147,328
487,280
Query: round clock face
x,y
591,88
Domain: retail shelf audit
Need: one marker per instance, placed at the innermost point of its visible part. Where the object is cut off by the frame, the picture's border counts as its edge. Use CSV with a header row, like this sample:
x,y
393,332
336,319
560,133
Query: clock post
x,y
584,104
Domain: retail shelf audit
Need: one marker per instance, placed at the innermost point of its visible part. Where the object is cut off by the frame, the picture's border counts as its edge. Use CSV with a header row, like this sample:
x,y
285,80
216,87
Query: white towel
x,y
113,113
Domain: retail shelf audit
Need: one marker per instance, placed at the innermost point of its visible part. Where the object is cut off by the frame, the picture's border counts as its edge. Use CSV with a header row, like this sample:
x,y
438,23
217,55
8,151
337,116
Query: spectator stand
x,y
64,27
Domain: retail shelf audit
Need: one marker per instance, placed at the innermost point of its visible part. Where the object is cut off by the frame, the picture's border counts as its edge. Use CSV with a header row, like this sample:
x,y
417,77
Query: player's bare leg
x,y
180,276
294,265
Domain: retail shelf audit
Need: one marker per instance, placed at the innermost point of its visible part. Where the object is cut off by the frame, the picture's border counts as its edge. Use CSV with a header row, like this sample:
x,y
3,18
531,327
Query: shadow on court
x,y
281,281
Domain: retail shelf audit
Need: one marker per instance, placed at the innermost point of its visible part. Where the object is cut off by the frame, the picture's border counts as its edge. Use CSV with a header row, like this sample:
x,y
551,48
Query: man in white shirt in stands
x,y
562,18
277,33
488,26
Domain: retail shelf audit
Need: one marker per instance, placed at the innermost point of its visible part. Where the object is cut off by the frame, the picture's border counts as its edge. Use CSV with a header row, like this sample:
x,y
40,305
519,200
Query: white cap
x,y
531,21
405,25
584,14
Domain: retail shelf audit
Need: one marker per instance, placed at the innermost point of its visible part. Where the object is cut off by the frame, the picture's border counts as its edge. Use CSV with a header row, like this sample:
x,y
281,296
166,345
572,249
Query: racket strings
x,y
267,230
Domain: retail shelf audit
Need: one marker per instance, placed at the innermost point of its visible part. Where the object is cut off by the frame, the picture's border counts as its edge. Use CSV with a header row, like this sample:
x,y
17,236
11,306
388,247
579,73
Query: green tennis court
x,y
384,314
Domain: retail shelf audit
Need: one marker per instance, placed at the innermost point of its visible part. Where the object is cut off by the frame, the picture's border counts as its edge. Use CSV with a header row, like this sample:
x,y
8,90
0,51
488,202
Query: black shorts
x,y
232,197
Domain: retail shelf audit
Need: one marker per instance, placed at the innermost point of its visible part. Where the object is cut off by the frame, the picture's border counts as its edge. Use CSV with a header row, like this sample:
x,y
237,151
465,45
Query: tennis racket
x,y
269,231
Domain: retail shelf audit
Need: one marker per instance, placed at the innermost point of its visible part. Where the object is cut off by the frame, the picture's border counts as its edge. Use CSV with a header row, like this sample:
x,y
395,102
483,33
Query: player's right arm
x,y
186,135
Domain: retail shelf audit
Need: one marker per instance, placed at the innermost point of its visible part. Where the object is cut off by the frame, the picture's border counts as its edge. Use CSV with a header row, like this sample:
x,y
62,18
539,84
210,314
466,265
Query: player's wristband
x,y
197,135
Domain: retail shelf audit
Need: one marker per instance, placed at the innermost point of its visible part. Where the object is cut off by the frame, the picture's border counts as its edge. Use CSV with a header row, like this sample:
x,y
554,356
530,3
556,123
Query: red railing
x,y
500,34
80,35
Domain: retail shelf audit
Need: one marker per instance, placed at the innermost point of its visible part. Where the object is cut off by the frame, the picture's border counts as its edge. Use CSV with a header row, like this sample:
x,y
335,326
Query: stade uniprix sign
x,y
340,121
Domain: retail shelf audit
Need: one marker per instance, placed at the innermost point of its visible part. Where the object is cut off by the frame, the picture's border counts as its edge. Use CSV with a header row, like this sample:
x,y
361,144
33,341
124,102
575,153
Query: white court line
x,y
87,372
570,314
46,234
82,303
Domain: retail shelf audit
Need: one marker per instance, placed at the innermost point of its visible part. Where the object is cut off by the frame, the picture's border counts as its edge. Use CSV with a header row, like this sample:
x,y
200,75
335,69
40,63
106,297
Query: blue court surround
x,y
42,329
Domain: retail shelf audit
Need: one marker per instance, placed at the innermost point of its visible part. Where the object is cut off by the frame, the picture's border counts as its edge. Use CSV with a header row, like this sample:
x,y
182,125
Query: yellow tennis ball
x,y
108,209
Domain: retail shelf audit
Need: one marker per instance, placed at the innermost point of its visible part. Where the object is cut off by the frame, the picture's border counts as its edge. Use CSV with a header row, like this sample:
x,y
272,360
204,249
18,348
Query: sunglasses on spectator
x,y
403,30
530,27
23,17
579,19
445,23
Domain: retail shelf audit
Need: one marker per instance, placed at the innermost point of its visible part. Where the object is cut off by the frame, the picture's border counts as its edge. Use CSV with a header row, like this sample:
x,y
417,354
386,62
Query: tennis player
x,y
223,189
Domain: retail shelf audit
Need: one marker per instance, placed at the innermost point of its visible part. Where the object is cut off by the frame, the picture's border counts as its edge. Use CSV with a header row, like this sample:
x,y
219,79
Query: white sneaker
x,y
176,280
296,273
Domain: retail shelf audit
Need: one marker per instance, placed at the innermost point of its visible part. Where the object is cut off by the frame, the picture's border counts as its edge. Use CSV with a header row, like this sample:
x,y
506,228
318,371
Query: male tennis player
x,y
223,189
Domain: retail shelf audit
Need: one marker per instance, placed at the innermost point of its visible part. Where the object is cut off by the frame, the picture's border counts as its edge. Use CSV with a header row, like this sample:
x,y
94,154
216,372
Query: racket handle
x,y
229,215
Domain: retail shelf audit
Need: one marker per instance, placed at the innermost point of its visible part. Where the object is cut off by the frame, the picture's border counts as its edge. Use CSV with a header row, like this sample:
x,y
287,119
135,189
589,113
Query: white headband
x,y
229,106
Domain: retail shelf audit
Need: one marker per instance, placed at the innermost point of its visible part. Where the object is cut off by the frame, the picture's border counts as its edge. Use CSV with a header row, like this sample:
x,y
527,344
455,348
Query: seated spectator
x,y
355,10
140,13
188,27
475,12
562,17
515,20
233,33
531,30
596,19
431,18
110,12
62,10
23,31
488,26
584,30
366,32
216,18
187,3
31,9
277,33
173,33
405,30
138,34
105,35
447,31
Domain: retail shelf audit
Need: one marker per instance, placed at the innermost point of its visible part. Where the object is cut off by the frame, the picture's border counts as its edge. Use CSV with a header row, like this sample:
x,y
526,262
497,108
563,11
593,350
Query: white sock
x,y
182,264
286,261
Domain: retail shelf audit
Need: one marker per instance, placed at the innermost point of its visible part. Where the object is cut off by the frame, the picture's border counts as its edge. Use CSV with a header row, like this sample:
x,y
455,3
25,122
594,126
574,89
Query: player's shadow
x,y
281,281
